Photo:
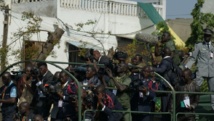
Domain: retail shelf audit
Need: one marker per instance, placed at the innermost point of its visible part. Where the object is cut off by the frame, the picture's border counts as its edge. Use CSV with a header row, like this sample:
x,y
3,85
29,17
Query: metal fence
x,y
173,114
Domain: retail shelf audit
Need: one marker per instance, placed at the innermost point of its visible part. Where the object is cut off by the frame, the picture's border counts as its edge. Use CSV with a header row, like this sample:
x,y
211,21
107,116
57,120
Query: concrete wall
x,y
181,27
67,18
47,24
43,8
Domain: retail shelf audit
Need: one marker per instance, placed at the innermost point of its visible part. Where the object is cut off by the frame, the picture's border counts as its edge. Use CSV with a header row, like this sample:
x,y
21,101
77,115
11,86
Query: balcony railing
x,y
26,1
104,7
111,7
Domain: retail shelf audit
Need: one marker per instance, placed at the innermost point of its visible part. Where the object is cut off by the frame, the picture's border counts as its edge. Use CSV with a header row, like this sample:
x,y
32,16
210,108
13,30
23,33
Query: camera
x,y
88,55
135,85
16,75
17,116
119,55
34,71
73,97
89,100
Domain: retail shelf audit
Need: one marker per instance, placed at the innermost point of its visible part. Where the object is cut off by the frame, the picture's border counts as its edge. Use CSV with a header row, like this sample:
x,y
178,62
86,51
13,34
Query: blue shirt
x,y
13,91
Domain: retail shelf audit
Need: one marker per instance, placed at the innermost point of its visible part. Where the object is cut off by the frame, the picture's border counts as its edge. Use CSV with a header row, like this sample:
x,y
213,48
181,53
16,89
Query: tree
x,y
200,21
33,27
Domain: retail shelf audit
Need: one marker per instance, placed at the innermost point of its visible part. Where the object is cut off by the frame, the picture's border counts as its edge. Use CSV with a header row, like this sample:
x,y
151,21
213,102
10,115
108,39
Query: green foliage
x,y
160,28
33,25
131,48
200,21
81,25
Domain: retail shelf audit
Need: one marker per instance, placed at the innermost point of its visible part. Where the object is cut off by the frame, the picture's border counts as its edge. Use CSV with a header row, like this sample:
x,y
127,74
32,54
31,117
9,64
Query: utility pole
x,y
5,36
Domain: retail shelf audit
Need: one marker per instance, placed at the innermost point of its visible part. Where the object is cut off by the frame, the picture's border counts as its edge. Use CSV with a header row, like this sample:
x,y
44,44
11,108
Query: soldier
x,y
122,82
167,42
203,55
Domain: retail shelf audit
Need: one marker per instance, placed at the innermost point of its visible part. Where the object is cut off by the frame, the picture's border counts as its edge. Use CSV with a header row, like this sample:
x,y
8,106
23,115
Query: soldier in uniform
x,y
203,55
167,42
122,82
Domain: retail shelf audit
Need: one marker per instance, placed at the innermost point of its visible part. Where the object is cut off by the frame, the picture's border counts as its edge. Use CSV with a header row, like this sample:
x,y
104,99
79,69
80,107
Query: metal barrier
x,y
53,63
122,111
173,92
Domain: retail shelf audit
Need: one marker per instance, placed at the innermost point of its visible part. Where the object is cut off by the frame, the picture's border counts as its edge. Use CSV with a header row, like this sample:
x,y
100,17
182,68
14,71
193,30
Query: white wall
x,y
47,24
120,25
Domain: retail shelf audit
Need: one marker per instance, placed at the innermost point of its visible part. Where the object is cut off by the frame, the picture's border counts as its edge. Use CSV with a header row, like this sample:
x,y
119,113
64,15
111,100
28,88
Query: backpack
x,y
173,74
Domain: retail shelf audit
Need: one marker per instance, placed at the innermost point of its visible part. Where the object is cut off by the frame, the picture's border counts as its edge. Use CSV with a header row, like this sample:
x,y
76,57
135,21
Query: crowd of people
x,y
109,91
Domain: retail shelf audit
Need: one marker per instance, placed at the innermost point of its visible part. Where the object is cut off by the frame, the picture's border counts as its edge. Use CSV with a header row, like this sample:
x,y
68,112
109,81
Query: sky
x,y
178,8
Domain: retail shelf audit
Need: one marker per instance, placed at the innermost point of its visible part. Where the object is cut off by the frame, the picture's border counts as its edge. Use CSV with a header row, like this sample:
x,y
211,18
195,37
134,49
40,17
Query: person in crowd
x,y
56,78
24,113
8,97
120,56
100,59
187,102
135,79
162,69
38,118
24,85
203,55
92,80
146,101
53,89
106,102
67,98
136,66
167,42
42,103
122,82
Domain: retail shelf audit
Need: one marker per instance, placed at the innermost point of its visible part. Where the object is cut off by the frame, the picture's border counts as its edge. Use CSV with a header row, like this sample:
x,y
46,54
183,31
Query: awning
x,y
81,44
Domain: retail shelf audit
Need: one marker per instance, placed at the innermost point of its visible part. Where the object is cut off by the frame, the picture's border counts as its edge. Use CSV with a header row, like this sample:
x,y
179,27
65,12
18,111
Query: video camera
x,y
119,55
88,55
35,71
16,75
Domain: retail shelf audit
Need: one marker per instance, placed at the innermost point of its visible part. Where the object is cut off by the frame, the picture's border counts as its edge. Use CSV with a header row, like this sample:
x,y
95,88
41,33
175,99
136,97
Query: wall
x,y
43,8
67,18
181,27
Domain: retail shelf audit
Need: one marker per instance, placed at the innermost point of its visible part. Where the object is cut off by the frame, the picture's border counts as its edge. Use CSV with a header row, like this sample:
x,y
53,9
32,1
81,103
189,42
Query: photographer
x,y
67,103
120,56
146,96
100,59
122,82
53,89
87,104
91,81
42,102
106,102
135,68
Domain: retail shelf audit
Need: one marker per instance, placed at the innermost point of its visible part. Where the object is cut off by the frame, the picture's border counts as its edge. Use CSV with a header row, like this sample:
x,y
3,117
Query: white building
x,y
120,18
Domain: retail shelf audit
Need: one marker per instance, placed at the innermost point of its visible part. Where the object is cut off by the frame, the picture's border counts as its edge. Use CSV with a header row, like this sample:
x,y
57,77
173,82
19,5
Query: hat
x,y
208,31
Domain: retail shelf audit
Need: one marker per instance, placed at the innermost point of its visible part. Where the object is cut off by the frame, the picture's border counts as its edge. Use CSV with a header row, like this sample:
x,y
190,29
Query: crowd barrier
x,y
173,92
